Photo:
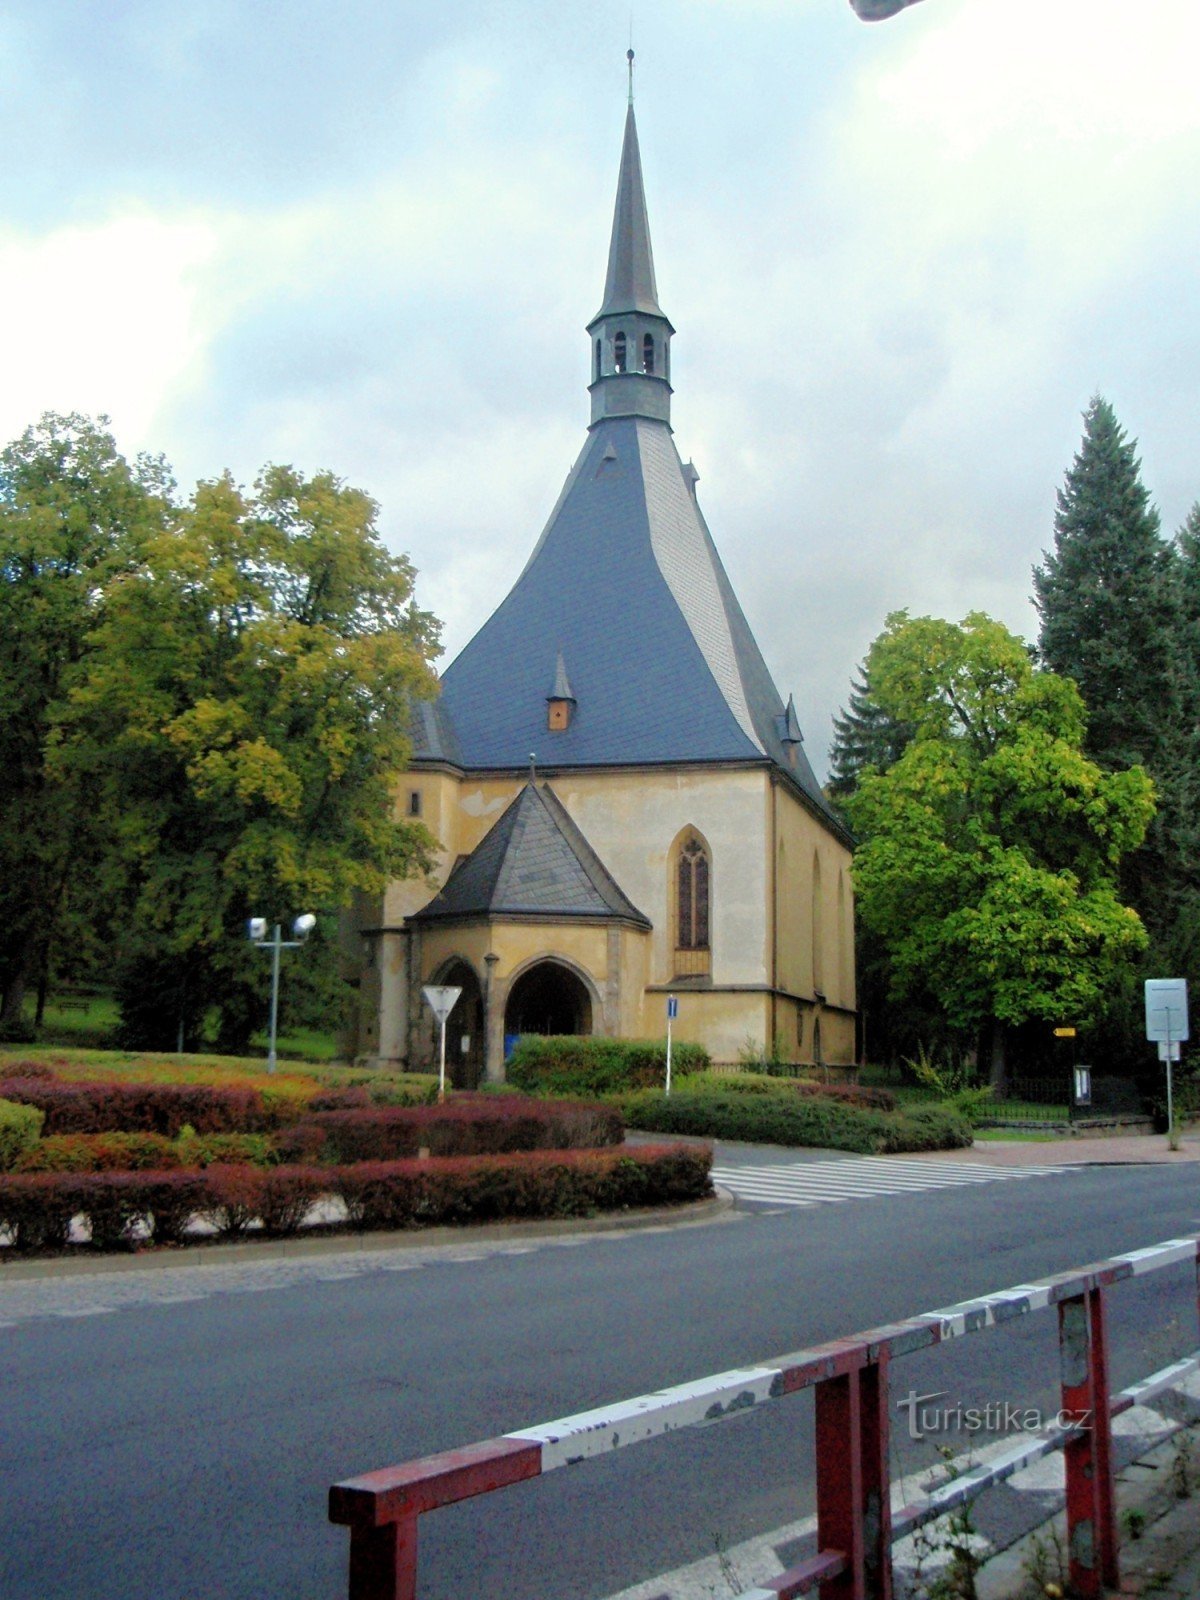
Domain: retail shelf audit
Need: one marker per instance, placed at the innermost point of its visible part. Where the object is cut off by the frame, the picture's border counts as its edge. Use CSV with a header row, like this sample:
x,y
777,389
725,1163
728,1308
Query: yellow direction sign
x,y
1064,1033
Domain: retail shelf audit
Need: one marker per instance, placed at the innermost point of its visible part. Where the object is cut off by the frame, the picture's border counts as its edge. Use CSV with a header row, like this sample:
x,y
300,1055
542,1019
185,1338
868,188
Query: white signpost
x,y
1167,1026
441,1000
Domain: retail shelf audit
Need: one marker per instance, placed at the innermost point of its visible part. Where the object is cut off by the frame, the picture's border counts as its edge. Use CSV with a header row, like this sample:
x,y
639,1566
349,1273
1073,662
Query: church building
x,y
622,799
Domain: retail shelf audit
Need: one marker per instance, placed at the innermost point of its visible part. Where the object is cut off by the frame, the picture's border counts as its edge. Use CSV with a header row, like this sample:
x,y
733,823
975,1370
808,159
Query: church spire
x,y
630,332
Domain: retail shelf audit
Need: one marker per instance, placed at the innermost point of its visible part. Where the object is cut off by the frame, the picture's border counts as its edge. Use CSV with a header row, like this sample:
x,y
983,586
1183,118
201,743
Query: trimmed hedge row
x,y
162,1108
791,1119
863,1096
37,1209
578,1064
141,1152
467,1125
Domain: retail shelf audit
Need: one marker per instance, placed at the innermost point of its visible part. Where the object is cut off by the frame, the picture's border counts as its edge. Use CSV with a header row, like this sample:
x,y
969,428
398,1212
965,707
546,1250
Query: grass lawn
x,y
91,1020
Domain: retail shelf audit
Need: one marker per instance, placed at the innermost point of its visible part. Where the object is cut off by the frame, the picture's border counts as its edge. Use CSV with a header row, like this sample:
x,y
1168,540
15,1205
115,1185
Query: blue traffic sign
x,y
672,1006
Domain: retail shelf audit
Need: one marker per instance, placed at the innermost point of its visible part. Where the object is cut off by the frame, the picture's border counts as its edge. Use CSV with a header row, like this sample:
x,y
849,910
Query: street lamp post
x,y
257,930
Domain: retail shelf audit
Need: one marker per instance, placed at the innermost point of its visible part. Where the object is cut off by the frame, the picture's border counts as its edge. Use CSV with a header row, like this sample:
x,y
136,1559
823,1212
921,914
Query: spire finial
x,y
629,58
533,766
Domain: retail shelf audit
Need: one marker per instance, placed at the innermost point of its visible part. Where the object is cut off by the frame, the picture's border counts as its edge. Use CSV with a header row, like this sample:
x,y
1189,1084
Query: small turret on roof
x,y
560,702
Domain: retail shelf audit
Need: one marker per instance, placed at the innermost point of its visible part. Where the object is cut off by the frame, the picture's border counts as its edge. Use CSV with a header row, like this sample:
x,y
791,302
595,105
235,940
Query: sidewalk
x,y
1159,1531
1126,1150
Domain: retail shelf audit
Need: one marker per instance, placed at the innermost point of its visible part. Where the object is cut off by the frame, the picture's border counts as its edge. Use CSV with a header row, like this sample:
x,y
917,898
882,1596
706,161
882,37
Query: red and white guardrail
x,y
855,1521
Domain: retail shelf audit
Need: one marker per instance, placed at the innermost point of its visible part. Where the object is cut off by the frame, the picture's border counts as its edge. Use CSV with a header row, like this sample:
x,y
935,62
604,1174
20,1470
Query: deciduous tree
x,y
247,709
988,852
74,519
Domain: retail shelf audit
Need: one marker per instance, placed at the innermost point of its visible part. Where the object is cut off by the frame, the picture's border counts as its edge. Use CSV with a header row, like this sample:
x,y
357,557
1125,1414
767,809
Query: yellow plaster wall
x,y
800,839
632,819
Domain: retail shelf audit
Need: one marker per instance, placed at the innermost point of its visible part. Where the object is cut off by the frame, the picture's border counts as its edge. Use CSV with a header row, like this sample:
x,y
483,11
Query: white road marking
x,y
812,1183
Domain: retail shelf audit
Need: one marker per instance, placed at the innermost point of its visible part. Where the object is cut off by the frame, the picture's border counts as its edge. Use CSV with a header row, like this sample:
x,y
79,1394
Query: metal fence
x,y
850,1377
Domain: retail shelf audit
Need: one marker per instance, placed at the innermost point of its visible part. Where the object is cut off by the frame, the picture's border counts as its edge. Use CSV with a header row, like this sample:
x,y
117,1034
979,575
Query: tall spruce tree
x,y
1120,610
864,735
1107,600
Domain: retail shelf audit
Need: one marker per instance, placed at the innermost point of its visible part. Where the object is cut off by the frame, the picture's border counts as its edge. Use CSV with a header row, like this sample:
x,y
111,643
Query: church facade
x,y
622,799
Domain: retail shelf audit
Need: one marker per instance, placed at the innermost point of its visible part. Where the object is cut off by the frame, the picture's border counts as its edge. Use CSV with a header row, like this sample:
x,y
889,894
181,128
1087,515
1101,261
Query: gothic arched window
x,y
693,899
619,352
599,358
648,353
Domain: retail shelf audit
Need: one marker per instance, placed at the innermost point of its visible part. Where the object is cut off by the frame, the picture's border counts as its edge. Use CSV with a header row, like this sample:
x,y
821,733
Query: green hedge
x,y
715,1111
575,1064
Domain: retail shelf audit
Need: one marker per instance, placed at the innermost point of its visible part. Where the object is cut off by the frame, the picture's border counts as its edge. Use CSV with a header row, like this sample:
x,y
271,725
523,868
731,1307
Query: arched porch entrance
x,y
464,1027
548,999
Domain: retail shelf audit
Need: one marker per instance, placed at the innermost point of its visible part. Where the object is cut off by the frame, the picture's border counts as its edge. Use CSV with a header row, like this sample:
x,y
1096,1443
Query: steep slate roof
x,y
533,862
630,283
627,585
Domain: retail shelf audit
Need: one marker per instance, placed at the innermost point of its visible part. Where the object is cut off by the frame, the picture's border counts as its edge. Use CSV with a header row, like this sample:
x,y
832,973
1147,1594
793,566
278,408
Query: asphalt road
x,y
173,1434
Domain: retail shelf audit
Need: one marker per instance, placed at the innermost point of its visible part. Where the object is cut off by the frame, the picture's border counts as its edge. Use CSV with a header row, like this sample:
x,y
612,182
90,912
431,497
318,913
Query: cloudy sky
x,y
900,258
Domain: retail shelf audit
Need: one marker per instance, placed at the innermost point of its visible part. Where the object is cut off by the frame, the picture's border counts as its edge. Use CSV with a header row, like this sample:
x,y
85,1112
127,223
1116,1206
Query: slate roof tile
x,y
533,862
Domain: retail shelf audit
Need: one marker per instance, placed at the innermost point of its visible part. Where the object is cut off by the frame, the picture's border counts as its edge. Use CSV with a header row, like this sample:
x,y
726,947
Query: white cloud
x,y
100,317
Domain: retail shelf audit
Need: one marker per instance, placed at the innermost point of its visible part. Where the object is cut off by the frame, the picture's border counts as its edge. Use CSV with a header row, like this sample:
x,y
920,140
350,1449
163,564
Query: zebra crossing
x,y
817,1183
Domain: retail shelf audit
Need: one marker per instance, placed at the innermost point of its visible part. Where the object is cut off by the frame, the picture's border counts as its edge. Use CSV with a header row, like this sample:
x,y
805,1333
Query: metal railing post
x,y
840,1482
877,1479
1106,1494
1091,1523
383,1561
854,1506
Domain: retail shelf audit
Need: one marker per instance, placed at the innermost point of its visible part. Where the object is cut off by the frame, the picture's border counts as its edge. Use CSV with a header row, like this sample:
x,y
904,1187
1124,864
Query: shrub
x,y
466,1125
353,1099
138,1107
403,1194
170,1200
234,1197
36,1210
578,1064
288,1194
849,1094
211,1149
99,1152
714,1111
20,1126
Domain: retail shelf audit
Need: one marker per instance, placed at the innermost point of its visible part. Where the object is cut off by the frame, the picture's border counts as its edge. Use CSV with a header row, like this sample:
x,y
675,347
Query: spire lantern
x,y
631,363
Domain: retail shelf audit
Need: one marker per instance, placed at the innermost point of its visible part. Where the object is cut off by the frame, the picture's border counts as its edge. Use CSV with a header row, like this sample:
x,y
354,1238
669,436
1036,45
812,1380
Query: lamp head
x,y
304,925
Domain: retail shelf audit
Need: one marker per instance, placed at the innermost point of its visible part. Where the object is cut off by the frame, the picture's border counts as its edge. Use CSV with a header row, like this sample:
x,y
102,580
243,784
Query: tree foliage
x,y
74,520
1106,597
232,713
1120,613
989,851
863,736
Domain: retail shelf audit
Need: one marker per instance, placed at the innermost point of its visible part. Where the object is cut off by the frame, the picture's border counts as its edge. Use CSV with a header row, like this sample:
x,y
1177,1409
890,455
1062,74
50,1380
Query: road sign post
x,y
672,1013
1167,1026
441,1000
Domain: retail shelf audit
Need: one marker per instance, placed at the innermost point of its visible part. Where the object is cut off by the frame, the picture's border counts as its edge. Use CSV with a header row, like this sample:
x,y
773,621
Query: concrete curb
x,y
345,1242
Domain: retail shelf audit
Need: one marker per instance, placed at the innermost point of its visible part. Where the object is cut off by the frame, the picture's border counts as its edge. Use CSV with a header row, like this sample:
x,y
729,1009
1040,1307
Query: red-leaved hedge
x,y
468,1125
37,1208
162,1108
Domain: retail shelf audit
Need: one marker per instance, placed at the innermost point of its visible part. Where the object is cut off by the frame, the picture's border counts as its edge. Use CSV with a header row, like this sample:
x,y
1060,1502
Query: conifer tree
x,y
1107,600
864,735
